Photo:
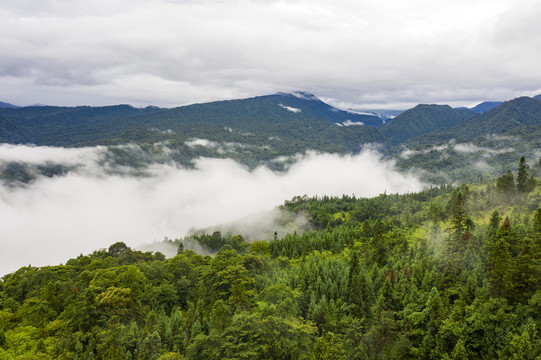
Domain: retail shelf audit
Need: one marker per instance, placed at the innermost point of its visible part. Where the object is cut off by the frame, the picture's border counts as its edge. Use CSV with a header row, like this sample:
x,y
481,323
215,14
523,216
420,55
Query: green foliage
x,y
391,277
422,119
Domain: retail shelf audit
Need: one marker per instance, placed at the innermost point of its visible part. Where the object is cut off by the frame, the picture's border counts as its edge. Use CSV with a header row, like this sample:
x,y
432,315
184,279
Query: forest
x,y
451,272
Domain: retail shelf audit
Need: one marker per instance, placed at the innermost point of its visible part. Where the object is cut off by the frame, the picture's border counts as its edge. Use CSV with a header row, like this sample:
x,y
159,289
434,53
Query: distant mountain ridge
x,y
299,119
522,111
4,105
422,119
277,107
53,125
267,129
485,106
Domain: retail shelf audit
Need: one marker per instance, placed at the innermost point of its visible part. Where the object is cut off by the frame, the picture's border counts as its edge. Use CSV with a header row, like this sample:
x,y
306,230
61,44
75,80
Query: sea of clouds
x,y
52,219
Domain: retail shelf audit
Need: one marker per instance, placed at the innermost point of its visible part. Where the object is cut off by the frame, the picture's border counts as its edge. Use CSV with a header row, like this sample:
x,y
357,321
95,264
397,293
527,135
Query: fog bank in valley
x,y
52,219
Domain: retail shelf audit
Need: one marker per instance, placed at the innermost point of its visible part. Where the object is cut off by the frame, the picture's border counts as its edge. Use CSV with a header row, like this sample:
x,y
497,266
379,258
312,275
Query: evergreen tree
x,y
180,248
525,273
461,225
537,221
358,289
494,223
500,262
522,176
505,184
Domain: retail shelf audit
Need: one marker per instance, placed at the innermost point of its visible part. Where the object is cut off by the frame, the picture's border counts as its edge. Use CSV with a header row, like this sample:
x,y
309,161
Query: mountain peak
x,y
432,106
422,119
520,112
305,95
485,106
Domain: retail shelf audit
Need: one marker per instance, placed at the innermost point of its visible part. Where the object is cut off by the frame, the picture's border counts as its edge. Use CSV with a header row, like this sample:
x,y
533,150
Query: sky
x,y
359,54
54,219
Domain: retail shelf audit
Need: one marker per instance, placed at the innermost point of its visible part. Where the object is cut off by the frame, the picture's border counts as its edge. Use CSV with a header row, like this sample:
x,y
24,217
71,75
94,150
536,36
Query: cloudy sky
x,y
352,53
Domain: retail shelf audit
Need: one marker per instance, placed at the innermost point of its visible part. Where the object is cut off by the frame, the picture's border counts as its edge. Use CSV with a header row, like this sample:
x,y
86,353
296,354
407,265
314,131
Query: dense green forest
x,y
452,272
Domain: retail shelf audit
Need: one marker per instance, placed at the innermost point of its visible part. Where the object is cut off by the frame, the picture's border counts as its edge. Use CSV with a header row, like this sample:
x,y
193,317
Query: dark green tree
x,y
537,221
500,262
180,248
525,181
117,249
505,184
522,176
358,289
461,226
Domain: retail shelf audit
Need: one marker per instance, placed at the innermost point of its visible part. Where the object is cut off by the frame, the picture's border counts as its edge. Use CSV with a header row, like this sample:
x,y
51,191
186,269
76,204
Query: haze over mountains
x,y
262,129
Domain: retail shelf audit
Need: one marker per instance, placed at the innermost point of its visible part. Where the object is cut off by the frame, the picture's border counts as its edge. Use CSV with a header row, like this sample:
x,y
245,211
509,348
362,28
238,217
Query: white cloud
x,y
41,154
220,147
465,148
381,54
292,109
407,153
469,148
202,142
57,218
352,123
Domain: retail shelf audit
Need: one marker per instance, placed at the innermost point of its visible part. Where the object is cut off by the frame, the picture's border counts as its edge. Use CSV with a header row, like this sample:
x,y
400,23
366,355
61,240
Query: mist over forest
x,y
308,180
95,202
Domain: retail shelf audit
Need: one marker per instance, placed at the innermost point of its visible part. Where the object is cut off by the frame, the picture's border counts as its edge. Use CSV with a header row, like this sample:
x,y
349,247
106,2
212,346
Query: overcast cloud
x,y
352,53
54,219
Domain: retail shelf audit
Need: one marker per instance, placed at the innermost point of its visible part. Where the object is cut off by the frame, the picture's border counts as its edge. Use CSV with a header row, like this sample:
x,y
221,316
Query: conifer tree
x,y
537,221
461,223
522,176
500,262
506,185
525,274
494,223
358,289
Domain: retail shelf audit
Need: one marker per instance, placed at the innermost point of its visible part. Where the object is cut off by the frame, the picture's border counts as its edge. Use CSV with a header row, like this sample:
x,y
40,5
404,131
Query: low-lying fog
x,y
52,219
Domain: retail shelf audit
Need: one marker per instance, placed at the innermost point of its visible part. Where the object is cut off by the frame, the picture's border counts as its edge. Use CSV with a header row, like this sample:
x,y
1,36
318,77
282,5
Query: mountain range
x,y
284,124
287,115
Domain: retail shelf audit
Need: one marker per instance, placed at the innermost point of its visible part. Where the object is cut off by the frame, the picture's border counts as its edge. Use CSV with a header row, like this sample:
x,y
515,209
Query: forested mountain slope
x,y
447,273
481,146
259,113
523,111
65,126
422,119
272,115
519,112
485,106
447,145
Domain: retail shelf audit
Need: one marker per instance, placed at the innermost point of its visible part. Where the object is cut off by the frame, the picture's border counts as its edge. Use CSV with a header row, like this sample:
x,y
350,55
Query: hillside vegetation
x,y
423,119
446,273
441,144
